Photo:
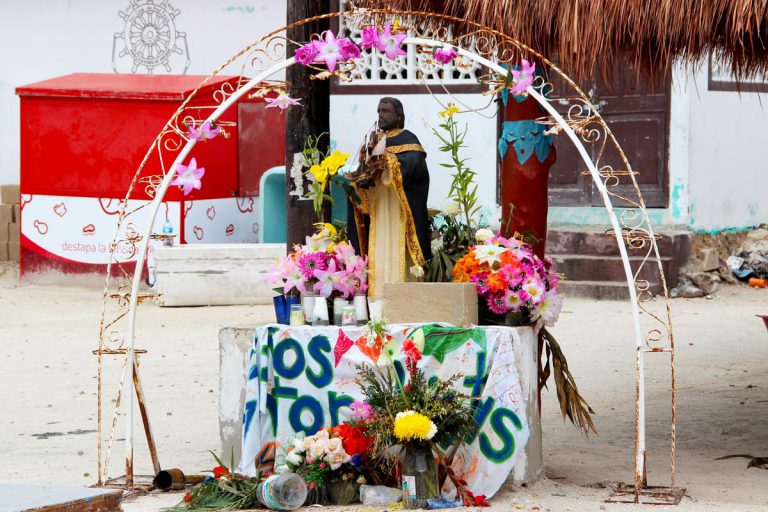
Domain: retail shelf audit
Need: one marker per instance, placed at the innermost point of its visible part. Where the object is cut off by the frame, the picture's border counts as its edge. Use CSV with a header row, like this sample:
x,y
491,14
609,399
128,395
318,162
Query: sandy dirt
x,y
48,396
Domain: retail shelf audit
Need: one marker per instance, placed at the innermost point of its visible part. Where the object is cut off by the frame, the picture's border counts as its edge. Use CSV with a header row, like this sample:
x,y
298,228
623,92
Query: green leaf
x,y
440,341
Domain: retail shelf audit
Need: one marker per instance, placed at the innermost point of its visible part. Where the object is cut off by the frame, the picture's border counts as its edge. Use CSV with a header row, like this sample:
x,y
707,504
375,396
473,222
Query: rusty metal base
x,y
142,484
654,495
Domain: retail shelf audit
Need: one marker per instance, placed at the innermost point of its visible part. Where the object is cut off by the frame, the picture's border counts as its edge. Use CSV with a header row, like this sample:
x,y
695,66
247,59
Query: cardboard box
x,y
13,251
9,194
6,214
3,251
13,232
17,213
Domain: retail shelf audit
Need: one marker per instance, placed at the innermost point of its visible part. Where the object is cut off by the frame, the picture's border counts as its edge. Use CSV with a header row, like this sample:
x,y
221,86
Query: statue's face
x,y
387,116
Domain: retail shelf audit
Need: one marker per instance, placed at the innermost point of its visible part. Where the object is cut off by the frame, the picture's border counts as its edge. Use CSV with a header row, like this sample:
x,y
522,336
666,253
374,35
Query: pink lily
x,y
206,131
391,44
328,50
325,279
445,56
369,37
282,100
523,77
188,176
294,279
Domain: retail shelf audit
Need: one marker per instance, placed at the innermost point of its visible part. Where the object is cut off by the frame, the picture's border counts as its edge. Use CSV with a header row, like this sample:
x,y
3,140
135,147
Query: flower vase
x,y
419,474
342,492
281,309
316,495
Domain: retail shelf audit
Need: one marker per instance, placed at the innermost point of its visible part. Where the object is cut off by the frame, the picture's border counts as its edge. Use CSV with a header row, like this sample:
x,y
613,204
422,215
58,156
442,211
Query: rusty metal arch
x,y
582,124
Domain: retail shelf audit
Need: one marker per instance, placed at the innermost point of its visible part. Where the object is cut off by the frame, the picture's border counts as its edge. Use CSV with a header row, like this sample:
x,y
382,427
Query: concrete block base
x,y
215,274
454,303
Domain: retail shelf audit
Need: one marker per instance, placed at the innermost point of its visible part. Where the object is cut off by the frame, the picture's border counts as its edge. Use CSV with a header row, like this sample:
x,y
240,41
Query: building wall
x,y
353,116
715,160
42,39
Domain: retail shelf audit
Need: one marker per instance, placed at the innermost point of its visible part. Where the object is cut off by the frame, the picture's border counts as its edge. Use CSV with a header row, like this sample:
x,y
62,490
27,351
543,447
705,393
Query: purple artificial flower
x,y
480,282
369,37
391,44
206,131
329,50
188,176
309,263
445,56
282,100
361,410
523,77
306,54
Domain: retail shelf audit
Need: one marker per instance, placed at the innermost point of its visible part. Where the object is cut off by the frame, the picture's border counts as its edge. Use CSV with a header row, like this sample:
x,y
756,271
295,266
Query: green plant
x,y
452,241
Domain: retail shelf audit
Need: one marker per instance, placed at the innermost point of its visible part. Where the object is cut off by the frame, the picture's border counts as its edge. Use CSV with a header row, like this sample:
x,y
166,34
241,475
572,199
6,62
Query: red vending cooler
x,y
84,135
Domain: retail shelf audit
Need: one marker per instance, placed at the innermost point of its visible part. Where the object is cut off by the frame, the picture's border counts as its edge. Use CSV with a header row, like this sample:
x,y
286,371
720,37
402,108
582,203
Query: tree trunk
x,y
309,119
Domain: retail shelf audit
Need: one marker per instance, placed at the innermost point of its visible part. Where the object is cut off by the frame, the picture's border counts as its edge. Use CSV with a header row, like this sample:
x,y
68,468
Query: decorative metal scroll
x,y
488,54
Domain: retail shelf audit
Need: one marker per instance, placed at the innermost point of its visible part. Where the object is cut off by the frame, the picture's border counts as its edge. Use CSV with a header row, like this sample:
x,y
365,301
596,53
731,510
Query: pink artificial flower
x,y
206,131
345,255
523,77
293,279
329,50
306,54
497,304
391,44
325,279
349,49
282,100
361,410
445,56
515,301
533,287
188,176
369,37
310,262
480,279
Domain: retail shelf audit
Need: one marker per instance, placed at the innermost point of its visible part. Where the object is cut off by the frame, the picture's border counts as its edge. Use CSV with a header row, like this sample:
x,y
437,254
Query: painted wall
x,y
46,38
728,164
715,160
352,116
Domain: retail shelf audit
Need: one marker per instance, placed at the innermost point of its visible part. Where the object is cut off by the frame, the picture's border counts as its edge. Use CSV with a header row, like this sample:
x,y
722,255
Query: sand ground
x,y
48,396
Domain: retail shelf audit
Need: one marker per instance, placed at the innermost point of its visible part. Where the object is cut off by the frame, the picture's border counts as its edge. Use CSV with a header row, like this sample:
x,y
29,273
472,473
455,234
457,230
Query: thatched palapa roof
x,y
588,35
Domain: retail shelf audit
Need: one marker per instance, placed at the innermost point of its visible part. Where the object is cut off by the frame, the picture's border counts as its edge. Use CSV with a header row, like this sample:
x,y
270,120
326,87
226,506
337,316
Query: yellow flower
x,y
452,109
325,229
335,160
412,426
396,26
319,172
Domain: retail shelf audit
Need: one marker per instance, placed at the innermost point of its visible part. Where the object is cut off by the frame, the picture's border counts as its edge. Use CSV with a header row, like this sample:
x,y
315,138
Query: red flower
x,y
470,500
187,498
220,471
411,350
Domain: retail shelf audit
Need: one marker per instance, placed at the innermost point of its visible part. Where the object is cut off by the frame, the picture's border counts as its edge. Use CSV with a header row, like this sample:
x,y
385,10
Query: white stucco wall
x,y
352,116
42,39
728,164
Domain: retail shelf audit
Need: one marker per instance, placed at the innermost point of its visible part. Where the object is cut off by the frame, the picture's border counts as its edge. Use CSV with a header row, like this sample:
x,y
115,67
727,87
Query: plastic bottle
x,y
168,230
287,491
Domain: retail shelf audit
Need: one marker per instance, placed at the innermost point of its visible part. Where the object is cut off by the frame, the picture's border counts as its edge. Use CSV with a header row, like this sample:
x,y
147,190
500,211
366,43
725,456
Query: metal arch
x,y
599,176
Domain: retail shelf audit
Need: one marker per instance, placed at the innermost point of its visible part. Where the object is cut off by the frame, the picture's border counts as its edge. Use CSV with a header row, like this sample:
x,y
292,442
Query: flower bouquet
x,y
513,283
416,418
330,461
223,489
326,266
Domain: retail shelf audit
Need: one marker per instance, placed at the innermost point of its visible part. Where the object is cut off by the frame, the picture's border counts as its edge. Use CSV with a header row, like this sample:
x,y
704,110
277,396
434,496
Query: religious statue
x,y
388,220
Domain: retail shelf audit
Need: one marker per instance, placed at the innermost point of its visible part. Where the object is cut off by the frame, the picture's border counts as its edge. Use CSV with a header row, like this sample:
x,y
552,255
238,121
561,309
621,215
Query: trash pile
x,y
747,263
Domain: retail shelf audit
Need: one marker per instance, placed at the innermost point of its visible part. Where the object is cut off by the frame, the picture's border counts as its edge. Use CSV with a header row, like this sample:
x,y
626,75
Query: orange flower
x,y
495,282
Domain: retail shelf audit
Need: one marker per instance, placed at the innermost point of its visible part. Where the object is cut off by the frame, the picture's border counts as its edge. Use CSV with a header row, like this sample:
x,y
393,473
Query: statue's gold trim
x,y
405,147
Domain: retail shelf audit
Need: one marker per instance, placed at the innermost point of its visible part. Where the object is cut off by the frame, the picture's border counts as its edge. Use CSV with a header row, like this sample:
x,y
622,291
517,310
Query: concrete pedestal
x,y
235,344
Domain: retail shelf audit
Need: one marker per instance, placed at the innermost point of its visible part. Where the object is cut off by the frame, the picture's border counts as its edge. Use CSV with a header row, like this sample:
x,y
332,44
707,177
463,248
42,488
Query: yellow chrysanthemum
x,y
414,426
452,109
335,160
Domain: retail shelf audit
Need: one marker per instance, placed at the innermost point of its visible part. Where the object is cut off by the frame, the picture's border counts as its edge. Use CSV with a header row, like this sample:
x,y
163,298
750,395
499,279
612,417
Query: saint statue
x,y
388,220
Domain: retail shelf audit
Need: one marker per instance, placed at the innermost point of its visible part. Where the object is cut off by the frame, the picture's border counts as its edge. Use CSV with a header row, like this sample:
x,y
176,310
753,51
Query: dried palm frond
x,y
572,404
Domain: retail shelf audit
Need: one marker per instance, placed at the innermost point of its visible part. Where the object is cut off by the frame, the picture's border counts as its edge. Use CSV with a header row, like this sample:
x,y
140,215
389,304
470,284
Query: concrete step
x,y
583,267
594,241
600,290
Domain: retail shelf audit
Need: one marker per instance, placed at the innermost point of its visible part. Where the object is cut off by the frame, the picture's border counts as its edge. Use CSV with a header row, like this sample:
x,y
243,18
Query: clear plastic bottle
x,y
287,491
